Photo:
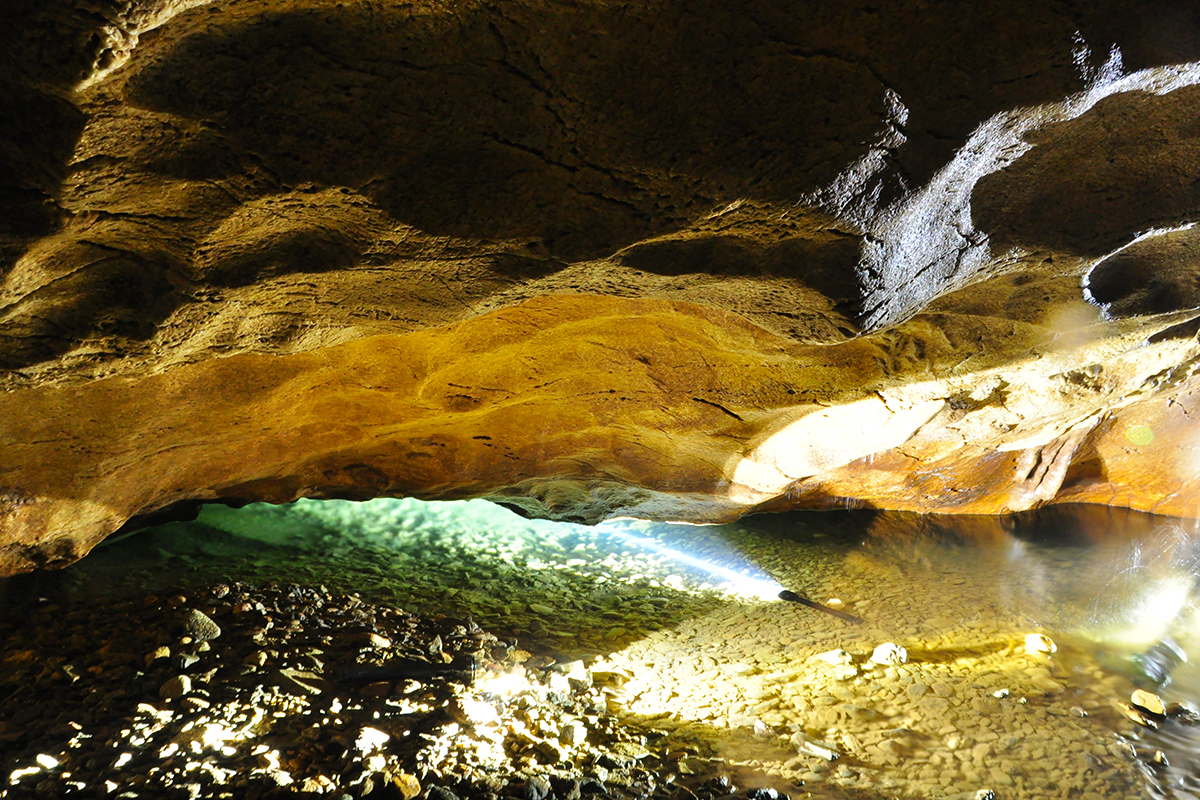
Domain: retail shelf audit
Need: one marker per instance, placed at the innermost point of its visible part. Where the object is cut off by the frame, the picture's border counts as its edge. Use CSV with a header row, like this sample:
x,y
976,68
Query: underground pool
x,y
396,647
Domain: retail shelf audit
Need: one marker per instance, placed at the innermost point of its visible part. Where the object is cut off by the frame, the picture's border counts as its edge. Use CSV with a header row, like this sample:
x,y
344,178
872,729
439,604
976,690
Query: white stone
x,y
845,672
370,739
1036,643
835,657
477,712
46,761
17,774
889,653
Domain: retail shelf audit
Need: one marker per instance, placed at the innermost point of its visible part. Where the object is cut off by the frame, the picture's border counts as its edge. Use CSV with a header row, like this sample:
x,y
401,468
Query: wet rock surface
x,y
671,259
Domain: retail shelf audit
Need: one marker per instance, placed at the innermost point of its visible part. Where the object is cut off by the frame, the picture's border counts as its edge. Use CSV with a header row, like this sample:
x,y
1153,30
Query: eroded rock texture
x,y
676,258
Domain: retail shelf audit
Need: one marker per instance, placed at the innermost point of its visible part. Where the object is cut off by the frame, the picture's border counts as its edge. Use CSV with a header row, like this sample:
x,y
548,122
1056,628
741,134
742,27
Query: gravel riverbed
x,y
455,659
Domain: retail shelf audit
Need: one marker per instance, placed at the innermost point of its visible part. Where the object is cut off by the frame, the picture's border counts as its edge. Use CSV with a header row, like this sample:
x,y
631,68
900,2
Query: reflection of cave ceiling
x,y
671,258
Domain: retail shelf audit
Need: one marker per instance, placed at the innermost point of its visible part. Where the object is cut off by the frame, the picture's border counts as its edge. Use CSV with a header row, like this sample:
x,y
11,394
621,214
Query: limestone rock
x,y
175,687
751,258
889,653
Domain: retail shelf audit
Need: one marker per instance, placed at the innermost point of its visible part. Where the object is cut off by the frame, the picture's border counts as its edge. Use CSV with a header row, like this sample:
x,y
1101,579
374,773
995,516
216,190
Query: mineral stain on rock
x,y
675,260
592,260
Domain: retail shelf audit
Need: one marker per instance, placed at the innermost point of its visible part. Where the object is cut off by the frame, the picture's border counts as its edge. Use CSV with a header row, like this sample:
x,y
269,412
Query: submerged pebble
x,y
1148,701
1038,643
889,653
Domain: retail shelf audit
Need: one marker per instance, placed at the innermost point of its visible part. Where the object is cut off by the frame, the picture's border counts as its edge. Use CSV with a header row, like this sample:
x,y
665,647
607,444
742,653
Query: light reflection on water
x,y
1120,581
1107,583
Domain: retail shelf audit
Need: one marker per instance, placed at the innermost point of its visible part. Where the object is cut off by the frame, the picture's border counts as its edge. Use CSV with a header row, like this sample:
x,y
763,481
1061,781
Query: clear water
x,y
689,617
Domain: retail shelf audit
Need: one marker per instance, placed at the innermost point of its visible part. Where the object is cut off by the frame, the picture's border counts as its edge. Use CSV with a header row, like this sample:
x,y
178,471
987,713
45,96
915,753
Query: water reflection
x,y
1111,576
1124,585
971,706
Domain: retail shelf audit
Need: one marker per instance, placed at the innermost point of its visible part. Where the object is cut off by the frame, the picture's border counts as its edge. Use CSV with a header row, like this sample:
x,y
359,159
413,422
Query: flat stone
x,y
200,626
1148,701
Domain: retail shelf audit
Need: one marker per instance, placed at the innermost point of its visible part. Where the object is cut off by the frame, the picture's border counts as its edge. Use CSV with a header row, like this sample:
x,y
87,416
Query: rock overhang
x,y
591,260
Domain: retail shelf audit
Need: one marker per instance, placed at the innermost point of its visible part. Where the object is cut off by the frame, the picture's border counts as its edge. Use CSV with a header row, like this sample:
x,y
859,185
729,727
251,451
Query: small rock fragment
x,y
407,784
1148,701
763,793
573,734
46,761
1185,713
819,750
630,750
550,752
1047,685
845,672
1036,643
161,652
537,788
889,653
255,659
199,626
835,657
370,739
468,711
196,703
1137,715
985,794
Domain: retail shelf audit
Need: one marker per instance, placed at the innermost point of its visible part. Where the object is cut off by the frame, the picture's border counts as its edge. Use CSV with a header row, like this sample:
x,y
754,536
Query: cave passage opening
x,y
994,654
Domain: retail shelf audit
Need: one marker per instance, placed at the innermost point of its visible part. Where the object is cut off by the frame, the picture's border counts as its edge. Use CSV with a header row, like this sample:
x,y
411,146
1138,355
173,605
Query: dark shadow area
x,y
115,293
584,129
1133,161
1156,275
52,46
826,265
587,128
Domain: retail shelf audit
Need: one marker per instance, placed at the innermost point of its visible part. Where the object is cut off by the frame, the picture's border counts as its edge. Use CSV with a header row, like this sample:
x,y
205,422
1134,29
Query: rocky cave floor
x,y
497,659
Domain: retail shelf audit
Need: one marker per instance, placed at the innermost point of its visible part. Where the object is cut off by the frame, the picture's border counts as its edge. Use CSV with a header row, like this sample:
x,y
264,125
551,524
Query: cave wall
x,y
671,259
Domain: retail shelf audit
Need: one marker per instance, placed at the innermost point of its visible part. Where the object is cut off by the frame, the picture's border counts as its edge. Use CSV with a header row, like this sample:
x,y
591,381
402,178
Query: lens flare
x,y
1157,611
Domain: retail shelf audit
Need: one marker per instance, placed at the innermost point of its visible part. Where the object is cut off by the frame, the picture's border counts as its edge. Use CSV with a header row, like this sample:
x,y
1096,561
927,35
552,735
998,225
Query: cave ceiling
x,y
675,259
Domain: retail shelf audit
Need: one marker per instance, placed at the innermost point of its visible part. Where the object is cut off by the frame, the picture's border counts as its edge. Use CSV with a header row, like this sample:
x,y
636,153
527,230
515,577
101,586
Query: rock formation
x,y
675,259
